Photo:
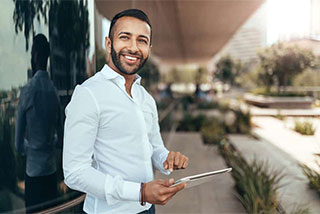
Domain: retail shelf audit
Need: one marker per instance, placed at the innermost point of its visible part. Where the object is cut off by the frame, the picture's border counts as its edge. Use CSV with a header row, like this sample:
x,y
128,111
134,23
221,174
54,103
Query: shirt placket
x,y
121,85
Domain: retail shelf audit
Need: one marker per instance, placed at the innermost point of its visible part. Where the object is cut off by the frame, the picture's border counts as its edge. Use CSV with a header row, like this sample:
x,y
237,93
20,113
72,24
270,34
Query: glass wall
x,y
26,95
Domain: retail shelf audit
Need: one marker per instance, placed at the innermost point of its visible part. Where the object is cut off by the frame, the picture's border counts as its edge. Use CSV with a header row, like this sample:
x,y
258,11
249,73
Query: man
x,y
38,119
112,135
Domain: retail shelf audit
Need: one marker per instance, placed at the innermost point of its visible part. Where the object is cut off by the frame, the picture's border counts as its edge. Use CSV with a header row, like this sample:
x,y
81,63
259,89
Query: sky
x,y
287,19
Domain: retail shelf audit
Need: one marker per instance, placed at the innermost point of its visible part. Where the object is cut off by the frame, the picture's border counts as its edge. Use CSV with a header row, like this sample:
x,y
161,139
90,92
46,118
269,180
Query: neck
x,y
128,78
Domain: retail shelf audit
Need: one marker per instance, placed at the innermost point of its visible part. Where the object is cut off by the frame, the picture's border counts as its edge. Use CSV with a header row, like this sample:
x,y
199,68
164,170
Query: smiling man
x,y
112,138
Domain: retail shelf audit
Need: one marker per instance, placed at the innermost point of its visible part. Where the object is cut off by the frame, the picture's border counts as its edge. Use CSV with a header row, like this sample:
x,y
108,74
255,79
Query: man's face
x,y
130,46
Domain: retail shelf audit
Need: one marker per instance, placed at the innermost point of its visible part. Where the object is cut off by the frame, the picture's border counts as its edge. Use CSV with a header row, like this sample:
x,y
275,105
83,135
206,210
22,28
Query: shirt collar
x,y
109,73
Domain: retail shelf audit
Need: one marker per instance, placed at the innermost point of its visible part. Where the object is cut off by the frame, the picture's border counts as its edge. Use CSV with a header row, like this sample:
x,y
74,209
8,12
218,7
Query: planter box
x,y
279,102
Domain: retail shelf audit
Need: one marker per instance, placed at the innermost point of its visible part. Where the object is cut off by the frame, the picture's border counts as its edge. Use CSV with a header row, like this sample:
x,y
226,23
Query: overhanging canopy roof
x,y
187,31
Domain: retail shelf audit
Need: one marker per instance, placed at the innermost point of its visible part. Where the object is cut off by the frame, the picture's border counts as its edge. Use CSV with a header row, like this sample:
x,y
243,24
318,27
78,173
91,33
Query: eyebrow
x,y
129,34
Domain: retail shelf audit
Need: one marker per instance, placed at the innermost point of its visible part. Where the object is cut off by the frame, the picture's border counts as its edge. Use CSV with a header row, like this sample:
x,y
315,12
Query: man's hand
x,y
160,192
176,160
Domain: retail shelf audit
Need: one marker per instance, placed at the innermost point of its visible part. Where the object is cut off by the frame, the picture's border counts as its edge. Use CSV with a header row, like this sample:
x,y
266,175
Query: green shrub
x,y
162,105
242,123
256,184
212,131
191,123
309,77
13,161
187,101
274,93
208,105
313,177
304,128
279,116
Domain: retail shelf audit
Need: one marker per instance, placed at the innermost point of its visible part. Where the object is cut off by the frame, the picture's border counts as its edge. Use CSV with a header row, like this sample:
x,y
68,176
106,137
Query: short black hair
x,y
136,13
42,48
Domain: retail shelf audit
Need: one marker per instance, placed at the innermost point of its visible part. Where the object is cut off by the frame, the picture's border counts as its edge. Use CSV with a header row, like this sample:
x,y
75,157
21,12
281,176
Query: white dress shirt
x,y
37,121
111,142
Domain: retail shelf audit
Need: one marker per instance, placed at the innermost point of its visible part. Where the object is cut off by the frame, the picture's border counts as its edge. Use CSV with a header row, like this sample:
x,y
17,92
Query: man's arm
x,y
164,160
21,123
81,127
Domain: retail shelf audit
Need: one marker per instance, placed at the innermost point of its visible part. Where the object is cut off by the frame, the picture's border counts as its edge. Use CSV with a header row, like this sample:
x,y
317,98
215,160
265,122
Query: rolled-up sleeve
x,y
81,128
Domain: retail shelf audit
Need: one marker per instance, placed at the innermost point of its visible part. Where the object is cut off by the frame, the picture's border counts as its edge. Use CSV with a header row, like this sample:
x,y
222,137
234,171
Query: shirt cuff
x,y
162,160
131,191
117,190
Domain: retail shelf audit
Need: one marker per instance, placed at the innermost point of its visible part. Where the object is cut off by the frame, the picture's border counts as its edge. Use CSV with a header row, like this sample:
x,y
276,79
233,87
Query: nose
x,y
133,46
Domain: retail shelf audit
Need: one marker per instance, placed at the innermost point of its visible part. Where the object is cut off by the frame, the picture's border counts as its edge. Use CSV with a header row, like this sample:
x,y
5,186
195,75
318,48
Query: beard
x,y
116,61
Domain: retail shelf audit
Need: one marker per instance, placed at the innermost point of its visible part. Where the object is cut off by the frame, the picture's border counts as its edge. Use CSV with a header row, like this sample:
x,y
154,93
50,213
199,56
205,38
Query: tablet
x,y
198,179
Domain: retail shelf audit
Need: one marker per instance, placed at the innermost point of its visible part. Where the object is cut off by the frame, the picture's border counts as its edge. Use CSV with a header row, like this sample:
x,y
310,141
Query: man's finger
x,y
177,160
175,189
168,198
165,165
185,164
168,183
182,160
170,161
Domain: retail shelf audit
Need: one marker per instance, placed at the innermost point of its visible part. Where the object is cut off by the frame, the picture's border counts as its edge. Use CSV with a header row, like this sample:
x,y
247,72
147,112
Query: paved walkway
x,y
283,149
217,196
300,147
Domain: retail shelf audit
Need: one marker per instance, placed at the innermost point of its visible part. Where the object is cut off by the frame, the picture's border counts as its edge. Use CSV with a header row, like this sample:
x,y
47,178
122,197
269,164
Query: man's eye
x,y
124,37
143,41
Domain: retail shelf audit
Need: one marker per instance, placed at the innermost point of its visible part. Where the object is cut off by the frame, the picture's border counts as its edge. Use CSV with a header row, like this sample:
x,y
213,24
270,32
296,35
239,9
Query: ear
x,y
150,48
108,44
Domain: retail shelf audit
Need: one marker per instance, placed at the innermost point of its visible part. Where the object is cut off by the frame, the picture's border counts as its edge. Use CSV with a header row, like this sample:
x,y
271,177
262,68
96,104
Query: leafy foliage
x,y
191,123
308,77
7,159
71,18
280,63
256,183
25,12
12,163
250,79
227,69
212,131
68,26
273,93
227,120
304,128
208,105
313,177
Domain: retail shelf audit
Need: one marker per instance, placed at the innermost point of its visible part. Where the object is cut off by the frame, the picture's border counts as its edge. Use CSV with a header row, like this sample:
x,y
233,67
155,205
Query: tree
x,y
280,64
309,77
227,69
68,35
25,12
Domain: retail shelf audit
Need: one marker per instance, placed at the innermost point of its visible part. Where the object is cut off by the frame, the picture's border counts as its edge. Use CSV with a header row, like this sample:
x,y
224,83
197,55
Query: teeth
x,y
131,58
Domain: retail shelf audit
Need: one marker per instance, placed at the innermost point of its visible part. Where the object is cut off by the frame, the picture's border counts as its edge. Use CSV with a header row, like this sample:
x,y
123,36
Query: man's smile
x,y
130,59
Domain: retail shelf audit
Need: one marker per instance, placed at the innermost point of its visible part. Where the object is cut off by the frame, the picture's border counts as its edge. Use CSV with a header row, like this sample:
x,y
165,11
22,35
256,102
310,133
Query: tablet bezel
x,y
200,176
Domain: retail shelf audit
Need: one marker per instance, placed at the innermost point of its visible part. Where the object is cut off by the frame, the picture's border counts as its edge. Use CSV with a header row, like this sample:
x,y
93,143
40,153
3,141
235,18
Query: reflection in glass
x,y
66,26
